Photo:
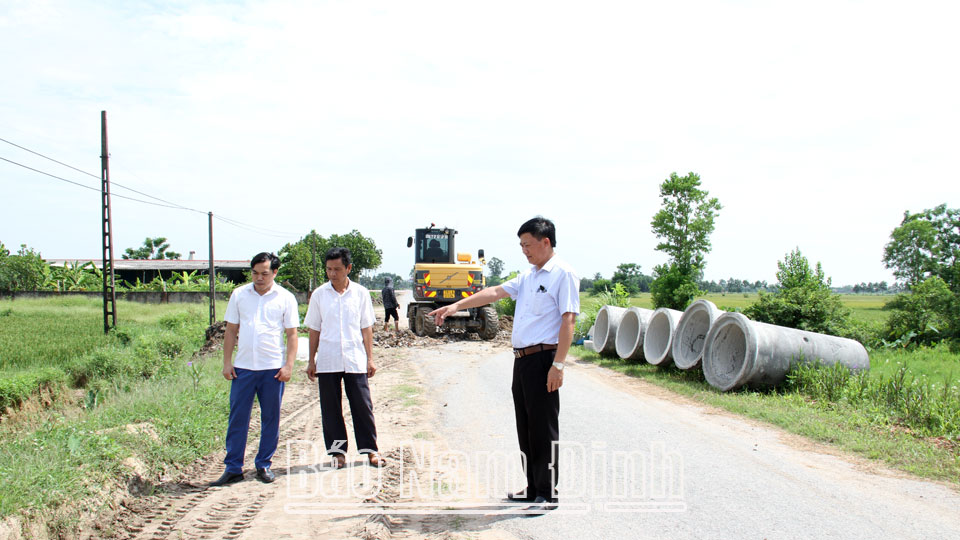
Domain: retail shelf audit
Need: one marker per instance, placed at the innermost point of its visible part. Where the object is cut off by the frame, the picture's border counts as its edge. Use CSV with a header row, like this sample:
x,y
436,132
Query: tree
x,y
683,224
601,285
804,300
25,271
76,277
296,259
296,262
633,280
628,274
495,267
925,315
926,244
364,251
153,248
376,282
924,254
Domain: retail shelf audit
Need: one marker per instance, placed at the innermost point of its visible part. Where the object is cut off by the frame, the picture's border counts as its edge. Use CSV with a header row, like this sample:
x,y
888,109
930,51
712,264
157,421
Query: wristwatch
x,y
558,365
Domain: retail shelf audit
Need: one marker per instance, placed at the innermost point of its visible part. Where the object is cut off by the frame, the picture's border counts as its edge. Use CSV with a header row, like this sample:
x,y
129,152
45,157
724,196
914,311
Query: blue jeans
x,y
269,392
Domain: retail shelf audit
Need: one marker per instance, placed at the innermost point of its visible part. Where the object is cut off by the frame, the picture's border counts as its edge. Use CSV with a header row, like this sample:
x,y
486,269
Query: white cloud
x,y
816,124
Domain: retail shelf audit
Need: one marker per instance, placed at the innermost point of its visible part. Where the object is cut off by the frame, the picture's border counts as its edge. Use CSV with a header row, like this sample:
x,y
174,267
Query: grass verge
x,y
874,426
141,428
141,407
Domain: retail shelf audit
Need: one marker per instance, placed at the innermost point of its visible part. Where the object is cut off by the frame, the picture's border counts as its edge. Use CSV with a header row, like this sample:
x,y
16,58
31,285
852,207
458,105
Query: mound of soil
x,y
390,339
214,335
405,338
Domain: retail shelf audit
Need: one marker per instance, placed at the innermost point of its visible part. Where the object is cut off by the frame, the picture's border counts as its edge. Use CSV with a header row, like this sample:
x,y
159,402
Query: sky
x,y
816,124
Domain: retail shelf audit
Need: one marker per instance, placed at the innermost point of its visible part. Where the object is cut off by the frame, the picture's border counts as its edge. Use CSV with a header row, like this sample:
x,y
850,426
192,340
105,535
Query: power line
x,y
250,228
167,204
112,183
86,186
49,158
258,228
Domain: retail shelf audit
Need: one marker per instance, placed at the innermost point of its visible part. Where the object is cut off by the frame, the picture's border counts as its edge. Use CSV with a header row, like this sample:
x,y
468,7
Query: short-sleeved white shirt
x,y
543,295
262,319
339,319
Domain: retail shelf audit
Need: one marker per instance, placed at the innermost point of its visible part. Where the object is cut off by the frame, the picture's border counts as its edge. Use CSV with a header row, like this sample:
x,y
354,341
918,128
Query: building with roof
x,y
146,270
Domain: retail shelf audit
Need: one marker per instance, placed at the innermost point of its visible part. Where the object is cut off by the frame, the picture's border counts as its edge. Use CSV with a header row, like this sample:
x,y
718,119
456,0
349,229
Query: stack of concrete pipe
x,y
633,325
691,334
733,350
605,329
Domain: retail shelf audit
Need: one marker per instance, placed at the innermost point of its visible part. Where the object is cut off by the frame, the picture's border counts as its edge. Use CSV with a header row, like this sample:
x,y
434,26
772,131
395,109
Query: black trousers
x,y
361,408
538,422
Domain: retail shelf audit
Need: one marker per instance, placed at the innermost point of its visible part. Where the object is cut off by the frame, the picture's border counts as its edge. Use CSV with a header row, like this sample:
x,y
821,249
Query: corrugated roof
x,y
151,264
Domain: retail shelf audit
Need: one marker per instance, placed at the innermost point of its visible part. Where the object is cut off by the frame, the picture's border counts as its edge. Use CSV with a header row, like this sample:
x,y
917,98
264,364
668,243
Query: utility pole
x,y
109,285
213,274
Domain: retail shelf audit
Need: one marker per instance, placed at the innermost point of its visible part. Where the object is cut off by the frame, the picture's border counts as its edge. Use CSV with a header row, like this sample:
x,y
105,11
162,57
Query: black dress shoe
x,y
227,478
265,475
540,506
520,496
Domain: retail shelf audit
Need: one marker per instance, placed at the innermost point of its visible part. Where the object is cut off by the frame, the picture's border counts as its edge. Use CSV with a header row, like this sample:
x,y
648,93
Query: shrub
x,y
930,408
617,296
25,271
673,288
926,315
171,345
600,285
584,321
99,364
803,301
15,388
505,306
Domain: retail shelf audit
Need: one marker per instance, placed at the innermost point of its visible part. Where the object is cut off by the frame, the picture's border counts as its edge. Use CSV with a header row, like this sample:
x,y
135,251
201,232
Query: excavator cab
x,y
443,276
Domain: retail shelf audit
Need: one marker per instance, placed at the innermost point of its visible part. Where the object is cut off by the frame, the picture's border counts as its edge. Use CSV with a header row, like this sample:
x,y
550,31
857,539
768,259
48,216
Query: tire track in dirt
x,y
253,510
194,510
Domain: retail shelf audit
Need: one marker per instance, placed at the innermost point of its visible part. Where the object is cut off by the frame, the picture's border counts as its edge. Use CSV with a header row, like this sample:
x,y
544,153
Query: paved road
x,y
732,478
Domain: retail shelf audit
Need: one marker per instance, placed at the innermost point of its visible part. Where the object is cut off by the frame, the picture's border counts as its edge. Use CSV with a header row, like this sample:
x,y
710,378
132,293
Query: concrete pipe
x,y
629,343
659,334
687,346
740,352
605,329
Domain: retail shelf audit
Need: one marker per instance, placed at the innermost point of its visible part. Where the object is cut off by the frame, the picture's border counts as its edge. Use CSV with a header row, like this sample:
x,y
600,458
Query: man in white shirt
x,y
340,318
258,316
548,301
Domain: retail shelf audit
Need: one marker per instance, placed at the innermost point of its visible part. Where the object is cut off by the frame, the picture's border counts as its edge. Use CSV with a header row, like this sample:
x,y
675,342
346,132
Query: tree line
x,y
923,253
26,270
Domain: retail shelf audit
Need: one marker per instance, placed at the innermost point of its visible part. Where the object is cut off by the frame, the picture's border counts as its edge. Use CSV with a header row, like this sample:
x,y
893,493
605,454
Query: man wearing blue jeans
x,y
258,315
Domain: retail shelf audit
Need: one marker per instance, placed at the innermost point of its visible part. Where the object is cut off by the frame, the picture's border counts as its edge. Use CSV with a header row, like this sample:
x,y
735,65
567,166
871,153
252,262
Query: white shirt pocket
x,y
351,312
541,302
272,316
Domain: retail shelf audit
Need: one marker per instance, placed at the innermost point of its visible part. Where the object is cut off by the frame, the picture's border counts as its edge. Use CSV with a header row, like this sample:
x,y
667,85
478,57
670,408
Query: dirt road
x,y
637,462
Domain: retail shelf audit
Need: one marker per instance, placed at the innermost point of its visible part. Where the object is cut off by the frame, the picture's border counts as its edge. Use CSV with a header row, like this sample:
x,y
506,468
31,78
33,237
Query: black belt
x,y
520,353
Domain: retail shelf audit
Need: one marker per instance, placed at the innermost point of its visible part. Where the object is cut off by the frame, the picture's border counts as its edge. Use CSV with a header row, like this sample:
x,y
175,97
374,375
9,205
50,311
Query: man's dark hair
x,y
341,253
540,228
264,257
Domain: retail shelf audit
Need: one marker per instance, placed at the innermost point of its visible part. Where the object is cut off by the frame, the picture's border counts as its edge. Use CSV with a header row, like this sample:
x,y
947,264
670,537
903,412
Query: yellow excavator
x,y
441,277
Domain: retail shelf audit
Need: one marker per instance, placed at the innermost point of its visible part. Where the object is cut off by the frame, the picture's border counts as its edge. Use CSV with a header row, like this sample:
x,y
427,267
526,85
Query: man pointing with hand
x,y
548,301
